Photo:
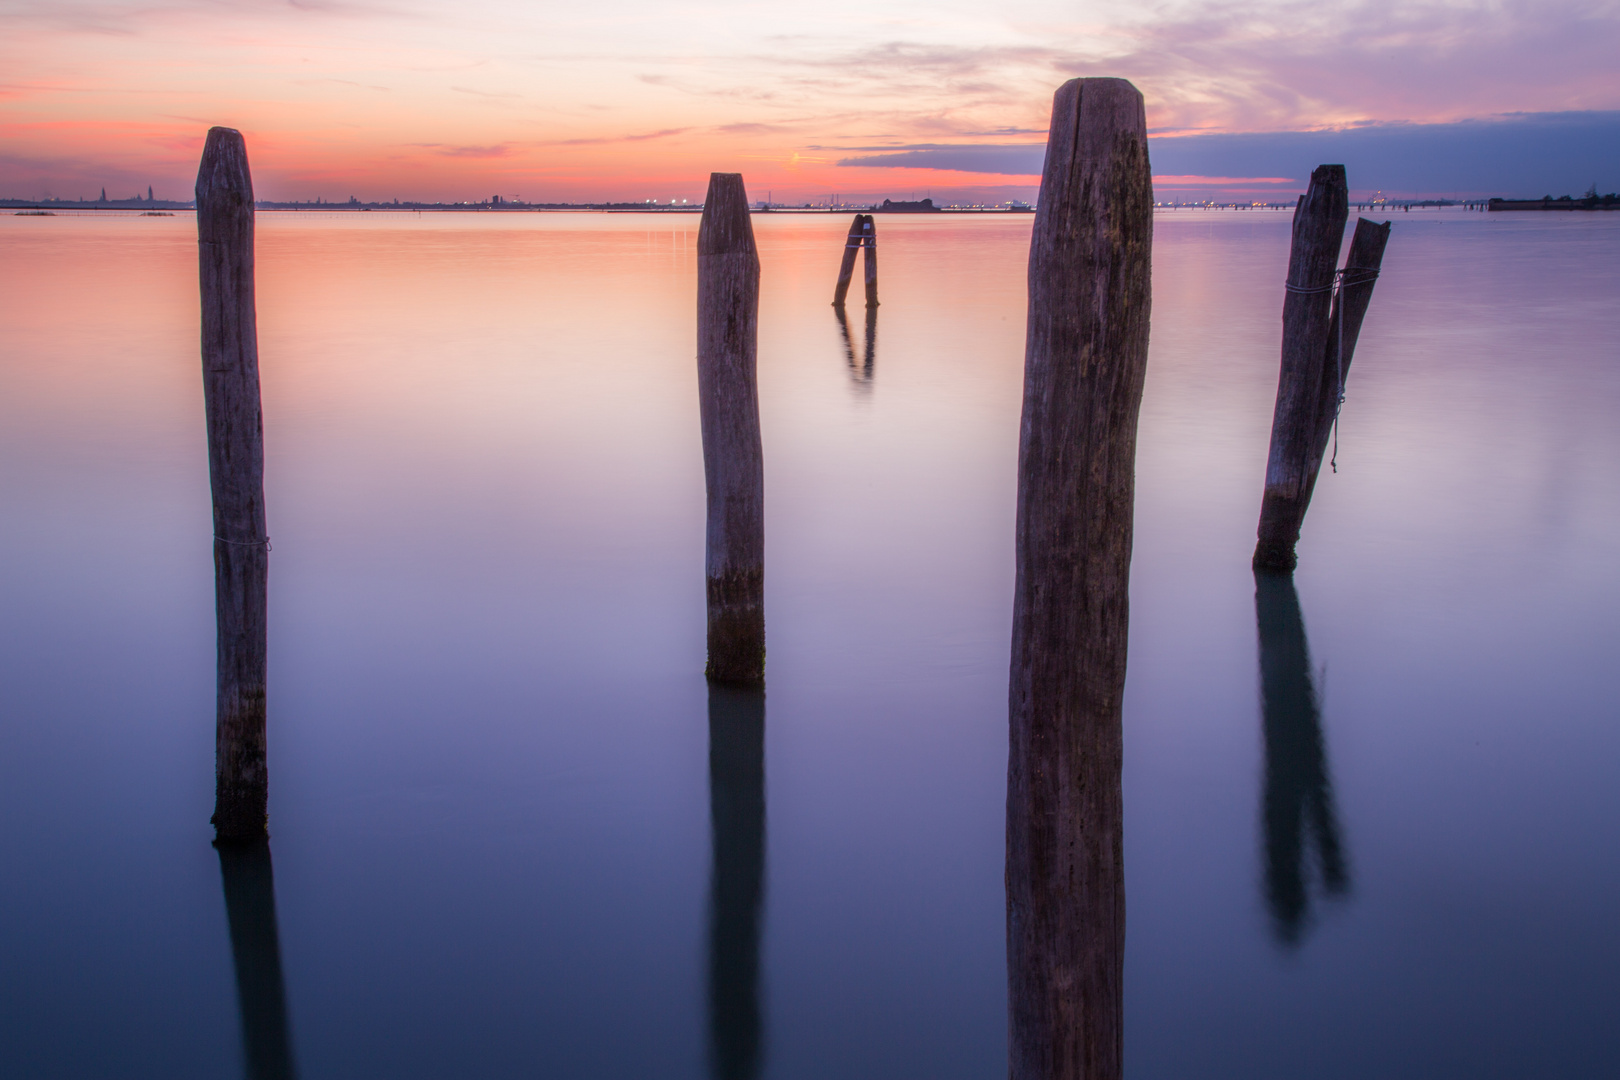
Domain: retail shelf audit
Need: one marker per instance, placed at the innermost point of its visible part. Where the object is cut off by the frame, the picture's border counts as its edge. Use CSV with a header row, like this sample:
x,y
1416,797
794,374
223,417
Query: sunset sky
x,y
636,100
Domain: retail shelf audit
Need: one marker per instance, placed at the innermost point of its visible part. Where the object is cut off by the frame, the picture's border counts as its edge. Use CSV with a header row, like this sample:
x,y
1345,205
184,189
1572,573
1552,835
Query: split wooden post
x,y
1356,281
733,467
1085,360
230,363
869,238
1319,219
846,269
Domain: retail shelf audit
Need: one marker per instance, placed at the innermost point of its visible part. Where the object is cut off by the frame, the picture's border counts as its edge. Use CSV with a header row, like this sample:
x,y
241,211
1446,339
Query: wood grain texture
x,y
846,268
230,364
1361,268
1085,360
733,464
1319,221
869,242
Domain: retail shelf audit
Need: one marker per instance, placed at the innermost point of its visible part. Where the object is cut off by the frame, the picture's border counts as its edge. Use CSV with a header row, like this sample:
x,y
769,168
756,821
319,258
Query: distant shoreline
x,y
1606,202
166,208
484,207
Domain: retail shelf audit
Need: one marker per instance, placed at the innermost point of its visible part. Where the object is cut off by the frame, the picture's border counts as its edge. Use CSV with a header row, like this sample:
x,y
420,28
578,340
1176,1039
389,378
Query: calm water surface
x,y
502,843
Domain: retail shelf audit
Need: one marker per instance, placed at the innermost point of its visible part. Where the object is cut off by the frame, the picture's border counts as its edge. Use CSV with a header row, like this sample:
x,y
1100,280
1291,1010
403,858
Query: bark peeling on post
x,y
733,468
1319,221
230,363
1086,357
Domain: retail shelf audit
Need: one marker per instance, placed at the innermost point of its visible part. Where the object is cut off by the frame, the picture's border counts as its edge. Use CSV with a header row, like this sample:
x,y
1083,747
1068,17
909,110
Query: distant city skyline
x,y
400,99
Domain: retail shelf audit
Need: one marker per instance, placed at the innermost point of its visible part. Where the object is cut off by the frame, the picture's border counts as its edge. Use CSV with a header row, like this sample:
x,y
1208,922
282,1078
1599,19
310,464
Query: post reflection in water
x,y
1297,810
250,908
860,372
737,817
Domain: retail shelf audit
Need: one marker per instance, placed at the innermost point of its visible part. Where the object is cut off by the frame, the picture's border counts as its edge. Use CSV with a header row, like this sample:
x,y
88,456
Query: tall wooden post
x,y
846,269
261,995
733,467
1319,219
737,887
1085,359
230,363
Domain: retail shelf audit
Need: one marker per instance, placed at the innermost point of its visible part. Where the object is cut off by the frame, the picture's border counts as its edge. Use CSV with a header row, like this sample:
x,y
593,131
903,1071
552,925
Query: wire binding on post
x,y
246,543
1341,279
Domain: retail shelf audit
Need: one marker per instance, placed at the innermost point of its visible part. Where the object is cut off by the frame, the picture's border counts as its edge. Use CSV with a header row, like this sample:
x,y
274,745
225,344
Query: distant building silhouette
x,y
925,206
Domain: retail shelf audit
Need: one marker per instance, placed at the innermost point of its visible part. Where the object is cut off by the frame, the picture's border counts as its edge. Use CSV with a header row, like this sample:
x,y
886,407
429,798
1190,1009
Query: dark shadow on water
x,y
871,345
736,893
250,908
1298,809
843,330
860,371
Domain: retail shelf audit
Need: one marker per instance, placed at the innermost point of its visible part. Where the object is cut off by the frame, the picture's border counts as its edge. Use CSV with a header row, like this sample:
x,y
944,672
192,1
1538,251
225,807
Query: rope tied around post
x,y
1349,275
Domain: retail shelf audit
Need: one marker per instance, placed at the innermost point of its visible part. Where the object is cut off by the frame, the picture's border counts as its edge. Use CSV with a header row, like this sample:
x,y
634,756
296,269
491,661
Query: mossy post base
x,y
737,629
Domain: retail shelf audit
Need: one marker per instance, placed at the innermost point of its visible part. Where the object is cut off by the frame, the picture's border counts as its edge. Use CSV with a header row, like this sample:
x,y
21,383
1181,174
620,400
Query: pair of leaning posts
x,y
1085,360
1323,309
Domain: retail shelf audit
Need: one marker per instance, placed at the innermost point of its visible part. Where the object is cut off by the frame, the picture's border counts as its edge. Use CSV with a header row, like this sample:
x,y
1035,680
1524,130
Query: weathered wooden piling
x,y
846,268
869,241
1319,219
261,995
1085,359
733,467
737,885
230,363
